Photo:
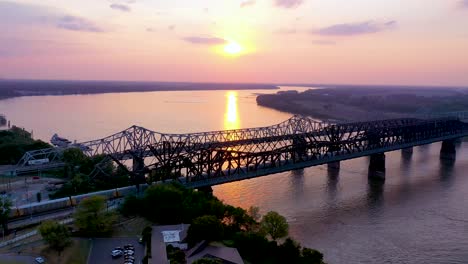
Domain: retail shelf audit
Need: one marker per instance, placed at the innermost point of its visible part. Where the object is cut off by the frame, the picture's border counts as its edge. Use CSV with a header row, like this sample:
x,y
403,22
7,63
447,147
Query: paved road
x,y
9,258
102,247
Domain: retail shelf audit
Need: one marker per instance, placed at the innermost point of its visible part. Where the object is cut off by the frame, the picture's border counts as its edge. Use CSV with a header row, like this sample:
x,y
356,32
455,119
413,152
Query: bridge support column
x,y
377,166
447,151
334,165
138,168
138,164
407,151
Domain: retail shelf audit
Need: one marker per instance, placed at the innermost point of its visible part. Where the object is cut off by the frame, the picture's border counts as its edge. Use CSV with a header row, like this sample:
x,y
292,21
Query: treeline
x,y
395,100
258,239
13,88
15,142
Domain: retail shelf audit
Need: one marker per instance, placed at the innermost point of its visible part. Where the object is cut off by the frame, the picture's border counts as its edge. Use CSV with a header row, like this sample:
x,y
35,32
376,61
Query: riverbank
x,y
354,103
17,88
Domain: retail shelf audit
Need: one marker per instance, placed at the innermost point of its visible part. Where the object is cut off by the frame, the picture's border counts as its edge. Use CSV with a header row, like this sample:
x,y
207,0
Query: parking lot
x,y
102,248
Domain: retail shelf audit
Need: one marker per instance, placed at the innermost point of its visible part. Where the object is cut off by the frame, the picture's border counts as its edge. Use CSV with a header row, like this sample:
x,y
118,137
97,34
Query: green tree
x,y
206,227
289,251
237,218
55,234
207,261
311,256
163,204
254,212
5,209
274,225
74,157
92,217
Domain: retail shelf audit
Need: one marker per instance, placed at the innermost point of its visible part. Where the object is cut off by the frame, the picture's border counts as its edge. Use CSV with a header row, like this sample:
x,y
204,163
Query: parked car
x,y
116,253
40,260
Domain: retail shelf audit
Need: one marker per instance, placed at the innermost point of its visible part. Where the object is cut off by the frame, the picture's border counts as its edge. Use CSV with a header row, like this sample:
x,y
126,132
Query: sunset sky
x,y
415,42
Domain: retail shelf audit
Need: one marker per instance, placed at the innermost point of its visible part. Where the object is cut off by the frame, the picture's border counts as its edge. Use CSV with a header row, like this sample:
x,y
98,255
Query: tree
x,y
207,261
206,227
5,209
55,234
289,251
74,157
254,212
92,218
274,225
311,256
163,204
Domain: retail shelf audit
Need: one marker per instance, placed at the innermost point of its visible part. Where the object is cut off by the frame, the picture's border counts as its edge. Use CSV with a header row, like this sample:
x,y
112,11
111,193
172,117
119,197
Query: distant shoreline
x,y
19,88
358,104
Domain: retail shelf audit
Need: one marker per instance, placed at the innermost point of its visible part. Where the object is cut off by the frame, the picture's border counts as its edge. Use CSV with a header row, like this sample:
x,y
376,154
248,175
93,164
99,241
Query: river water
x,y
419,215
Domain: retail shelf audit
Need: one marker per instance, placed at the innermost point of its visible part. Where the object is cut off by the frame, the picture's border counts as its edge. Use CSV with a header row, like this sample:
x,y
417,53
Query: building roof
x,y
171,236
227,255
158,241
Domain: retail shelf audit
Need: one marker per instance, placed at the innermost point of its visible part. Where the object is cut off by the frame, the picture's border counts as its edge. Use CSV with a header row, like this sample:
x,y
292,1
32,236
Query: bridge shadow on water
x,y
297,183
333,175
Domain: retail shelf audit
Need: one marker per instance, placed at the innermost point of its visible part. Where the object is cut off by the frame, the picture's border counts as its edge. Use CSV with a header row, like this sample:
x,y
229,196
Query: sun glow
x,y
231,117
233,48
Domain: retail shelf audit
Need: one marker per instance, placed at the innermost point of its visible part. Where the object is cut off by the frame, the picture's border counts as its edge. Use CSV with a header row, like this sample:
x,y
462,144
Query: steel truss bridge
x,y
204,159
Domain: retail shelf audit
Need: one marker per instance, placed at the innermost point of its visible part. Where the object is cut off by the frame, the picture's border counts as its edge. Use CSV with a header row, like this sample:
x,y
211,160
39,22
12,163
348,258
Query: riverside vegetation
x,y
259,239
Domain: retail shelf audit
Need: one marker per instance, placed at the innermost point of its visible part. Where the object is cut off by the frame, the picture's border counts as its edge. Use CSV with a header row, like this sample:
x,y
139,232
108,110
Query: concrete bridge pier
x,y
138,166
407,151
447,151
334,165
377,166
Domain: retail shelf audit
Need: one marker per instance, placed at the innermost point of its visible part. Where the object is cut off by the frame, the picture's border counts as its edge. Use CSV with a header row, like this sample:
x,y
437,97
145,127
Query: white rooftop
x,y
171,236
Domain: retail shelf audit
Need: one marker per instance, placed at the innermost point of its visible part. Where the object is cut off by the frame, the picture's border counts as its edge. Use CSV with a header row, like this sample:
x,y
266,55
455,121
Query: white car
x,y
116,253
40,260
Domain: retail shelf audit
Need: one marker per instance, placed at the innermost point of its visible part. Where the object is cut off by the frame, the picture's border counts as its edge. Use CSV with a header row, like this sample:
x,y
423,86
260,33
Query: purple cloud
x,y
205,40
120,7
463,3
352,29
288,3
247,3
77,24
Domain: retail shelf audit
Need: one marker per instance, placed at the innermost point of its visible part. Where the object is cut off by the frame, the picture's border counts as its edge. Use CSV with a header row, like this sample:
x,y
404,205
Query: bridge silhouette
x,y
204,159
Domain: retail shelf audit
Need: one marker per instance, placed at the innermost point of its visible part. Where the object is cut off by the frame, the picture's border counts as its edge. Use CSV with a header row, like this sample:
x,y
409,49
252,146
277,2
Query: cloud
x,y
25,14
247,3
121,7
352,29
77,24
463,3
35,16
288,3
205,40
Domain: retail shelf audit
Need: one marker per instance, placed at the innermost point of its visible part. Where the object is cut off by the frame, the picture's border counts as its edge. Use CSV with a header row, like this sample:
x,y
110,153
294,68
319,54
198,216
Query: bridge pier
x,y
407,151
334,165
377,166
447,151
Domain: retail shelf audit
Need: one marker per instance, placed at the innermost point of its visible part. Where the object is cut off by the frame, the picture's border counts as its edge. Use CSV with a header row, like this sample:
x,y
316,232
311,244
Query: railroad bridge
x,y
200,160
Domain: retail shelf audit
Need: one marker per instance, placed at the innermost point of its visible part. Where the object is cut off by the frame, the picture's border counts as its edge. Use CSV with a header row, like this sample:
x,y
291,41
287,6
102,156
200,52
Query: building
x,y
175,235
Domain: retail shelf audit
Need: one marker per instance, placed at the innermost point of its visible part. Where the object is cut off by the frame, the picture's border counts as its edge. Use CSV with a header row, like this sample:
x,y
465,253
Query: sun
x,y
233,48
